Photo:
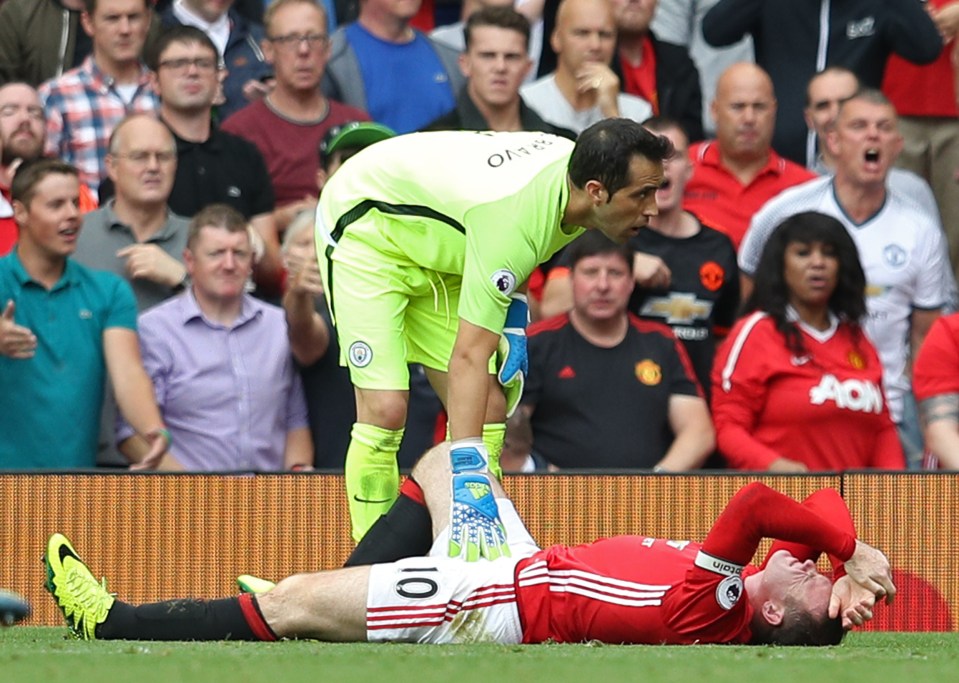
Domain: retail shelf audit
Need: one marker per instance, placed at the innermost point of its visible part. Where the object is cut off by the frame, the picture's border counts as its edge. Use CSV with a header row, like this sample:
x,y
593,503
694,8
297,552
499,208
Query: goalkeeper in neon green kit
x,y
425,242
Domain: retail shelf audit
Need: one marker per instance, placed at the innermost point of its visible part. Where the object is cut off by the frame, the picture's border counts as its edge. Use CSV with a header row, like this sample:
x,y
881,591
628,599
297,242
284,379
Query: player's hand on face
x,y
870,569
651,272
16,341
150,262
852,602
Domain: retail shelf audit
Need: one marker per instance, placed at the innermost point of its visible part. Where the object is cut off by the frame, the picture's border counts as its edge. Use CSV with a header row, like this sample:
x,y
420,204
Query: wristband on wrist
x,y
165,433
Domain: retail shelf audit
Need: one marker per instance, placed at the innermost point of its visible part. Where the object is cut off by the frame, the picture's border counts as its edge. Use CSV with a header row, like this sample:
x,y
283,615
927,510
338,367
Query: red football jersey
x,y
824,408
635,589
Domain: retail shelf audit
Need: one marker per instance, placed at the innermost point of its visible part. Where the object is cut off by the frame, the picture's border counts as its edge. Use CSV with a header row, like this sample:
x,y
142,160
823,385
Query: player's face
x,y
298,64
810,270
118,29
219,263
585,32
50,224
826,92
495,64
634,16
187,77
21,123
144,165
796,583
745,113
601,286
629,209
676,172
865,142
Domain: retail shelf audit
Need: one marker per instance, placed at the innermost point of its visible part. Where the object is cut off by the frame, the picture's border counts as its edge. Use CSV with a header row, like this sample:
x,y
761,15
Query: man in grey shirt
x,y
135,234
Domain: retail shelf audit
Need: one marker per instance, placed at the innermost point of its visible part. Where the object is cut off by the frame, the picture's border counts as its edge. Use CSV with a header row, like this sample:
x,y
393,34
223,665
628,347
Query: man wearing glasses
x,y
248,75
85,104
288,124
135,234
212,166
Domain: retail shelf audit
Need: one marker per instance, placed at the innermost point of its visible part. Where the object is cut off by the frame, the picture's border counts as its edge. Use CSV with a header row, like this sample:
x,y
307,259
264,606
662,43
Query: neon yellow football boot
x,y
83,600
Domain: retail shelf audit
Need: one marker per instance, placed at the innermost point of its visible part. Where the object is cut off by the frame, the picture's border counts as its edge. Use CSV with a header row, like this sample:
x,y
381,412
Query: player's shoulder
x,y
496,150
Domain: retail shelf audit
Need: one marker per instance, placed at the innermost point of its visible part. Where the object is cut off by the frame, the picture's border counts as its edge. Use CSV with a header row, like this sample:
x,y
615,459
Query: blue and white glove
x,y
475,528
512,362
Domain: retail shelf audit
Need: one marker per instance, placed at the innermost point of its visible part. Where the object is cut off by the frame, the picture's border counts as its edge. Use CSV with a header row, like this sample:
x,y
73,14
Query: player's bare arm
x,y
469,379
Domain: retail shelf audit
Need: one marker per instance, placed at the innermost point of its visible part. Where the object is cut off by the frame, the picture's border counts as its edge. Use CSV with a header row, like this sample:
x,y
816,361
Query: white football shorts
x,y
439,599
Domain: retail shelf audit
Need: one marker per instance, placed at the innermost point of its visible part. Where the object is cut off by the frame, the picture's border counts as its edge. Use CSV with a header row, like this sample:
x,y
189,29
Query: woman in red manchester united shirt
x,y
797,386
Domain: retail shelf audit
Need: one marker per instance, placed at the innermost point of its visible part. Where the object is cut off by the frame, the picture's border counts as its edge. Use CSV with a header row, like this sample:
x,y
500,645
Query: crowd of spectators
x,y
160,163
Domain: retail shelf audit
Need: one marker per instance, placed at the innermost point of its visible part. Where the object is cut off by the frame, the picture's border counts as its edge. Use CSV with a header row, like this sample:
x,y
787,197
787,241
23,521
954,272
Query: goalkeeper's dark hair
x,y
604,151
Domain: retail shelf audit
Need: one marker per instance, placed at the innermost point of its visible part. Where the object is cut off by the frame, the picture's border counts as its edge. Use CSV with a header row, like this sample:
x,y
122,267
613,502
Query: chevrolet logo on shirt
x,y
677,308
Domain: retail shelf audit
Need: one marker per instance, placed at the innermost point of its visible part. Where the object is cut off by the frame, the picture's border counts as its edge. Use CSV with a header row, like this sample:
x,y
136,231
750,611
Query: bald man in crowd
x,y
583,89
735,174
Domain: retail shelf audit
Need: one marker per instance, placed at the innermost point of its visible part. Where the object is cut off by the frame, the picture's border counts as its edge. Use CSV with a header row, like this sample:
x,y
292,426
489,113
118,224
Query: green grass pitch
x,y
45,655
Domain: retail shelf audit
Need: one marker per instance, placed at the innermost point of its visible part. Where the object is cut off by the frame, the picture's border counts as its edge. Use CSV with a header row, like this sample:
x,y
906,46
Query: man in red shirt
x,y
626,589
735,174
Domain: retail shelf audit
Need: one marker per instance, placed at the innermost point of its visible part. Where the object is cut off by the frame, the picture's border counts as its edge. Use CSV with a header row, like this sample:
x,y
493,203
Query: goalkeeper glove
x,y
475,527
512,361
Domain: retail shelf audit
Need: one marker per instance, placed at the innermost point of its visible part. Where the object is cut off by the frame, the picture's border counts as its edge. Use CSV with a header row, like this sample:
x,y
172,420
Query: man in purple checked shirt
x,y
220,362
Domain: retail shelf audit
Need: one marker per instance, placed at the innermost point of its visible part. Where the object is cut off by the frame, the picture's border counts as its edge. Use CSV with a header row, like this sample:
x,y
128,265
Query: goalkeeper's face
x,y
627,211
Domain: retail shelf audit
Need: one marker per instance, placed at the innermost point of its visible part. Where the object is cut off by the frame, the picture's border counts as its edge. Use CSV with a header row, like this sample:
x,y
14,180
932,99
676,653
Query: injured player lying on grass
x,y
625,589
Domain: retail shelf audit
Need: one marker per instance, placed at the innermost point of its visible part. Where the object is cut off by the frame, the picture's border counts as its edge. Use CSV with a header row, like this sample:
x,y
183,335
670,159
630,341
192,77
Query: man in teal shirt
x,y
63,326
425,244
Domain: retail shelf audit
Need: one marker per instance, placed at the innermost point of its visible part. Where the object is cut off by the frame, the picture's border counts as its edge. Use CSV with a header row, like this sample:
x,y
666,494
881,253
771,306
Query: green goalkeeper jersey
x,y
484,206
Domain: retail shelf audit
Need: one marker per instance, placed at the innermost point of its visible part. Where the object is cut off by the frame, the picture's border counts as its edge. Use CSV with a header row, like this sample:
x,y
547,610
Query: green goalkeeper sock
x,y
372,475
493,436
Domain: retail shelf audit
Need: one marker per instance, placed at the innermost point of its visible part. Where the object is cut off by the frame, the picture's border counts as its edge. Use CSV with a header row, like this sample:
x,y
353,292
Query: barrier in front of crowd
x,y
158,536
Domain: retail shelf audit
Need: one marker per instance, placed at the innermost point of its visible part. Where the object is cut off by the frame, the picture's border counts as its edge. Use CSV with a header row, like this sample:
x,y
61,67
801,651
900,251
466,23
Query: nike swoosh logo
x,y
365,500
66,552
